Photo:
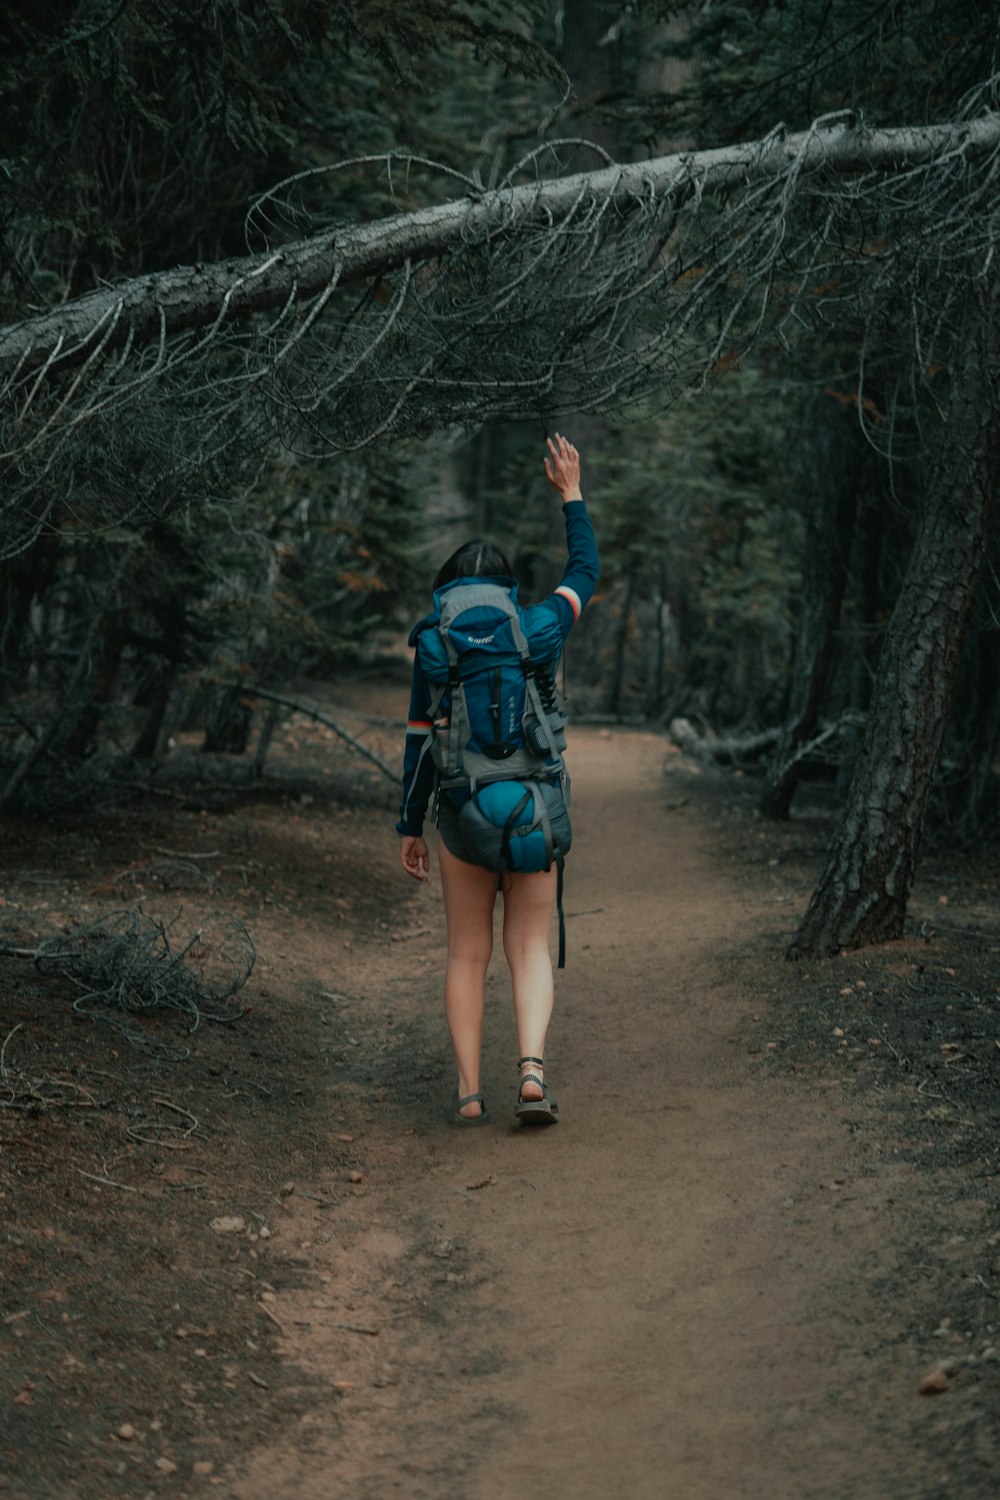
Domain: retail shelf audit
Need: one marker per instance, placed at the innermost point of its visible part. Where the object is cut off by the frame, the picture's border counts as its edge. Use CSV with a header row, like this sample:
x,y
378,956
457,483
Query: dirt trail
x,y
665,1294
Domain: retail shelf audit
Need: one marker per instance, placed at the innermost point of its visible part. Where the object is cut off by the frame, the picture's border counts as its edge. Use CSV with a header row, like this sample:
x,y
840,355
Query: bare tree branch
x,y
595,291
199,296
312,712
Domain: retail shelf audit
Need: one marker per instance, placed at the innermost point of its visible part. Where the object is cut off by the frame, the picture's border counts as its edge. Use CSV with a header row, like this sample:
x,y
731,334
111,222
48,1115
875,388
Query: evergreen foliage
x,y
761,61
138,136
134,137
751,65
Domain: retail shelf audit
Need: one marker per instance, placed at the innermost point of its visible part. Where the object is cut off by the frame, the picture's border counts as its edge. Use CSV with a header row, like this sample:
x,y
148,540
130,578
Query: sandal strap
x,y
538,1061
530,1078
472,1099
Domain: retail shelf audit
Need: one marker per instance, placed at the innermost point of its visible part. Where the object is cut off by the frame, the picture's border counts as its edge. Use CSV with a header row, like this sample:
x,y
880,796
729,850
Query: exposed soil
x,y
768,1212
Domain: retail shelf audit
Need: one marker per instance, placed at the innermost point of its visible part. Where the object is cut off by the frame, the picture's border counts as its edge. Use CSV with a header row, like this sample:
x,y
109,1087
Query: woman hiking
x,y
469,890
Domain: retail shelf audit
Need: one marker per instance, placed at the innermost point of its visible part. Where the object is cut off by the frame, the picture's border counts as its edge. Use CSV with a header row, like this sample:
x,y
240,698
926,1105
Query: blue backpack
x,y
499,732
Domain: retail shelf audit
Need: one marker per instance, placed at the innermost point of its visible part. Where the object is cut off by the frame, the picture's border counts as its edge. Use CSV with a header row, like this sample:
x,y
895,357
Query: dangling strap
x,y
559,910
541,820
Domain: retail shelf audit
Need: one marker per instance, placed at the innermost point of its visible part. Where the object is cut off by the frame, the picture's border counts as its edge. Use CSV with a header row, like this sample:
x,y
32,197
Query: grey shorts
x,y
449,831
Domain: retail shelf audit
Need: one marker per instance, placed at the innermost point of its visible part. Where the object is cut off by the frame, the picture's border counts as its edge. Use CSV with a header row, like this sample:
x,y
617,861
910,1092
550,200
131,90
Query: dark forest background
x,y
759,538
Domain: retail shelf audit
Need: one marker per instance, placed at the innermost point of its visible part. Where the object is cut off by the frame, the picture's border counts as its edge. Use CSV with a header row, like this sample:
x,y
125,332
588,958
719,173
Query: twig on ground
x,y
168,1104
904,1062
3,1049
107,1181
162,1130
185,854
276,1321
36,1093
171,874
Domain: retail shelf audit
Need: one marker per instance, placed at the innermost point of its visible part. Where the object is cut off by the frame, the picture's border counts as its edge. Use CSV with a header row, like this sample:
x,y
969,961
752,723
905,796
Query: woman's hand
x,y
562,468
415,858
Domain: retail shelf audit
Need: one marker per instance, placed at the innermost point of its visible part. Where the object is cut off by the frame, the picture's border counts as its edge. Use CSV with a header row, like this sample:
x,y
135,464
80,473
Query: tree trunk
x,y
228,729
267,728
80,738
978,735
46,738
862,894
147,744
658,646
871,611
619,655
833,485
22,580
146,308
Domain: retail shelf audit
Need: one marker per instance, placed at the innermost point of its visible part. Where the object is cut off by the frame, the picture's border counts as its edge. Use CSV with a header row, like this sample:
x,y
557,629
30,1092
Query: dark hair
x,y
475,559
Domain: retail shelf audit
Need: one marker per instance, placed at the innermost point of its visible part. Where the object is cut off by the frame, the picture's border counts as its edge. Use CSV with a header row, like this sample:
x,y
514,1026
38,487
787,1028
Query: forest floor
x,y
254,1261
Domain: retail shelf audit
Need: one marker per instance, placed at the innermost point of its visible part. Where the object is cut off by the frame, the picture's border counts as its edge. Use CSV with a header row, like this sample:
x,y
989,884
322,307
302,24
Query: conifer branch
x,y
218,294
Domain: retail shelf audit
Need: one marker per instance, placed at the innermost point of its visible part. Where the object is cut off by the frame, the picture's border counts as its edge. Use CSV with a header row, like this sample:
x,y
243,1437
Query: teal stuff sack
x,y
517,826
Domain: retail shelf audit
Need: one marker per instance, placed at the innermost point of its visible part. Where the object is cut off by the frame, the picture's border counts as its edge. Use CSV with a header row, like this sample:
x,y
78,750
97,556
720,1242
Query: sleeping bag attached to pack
x,y
498,730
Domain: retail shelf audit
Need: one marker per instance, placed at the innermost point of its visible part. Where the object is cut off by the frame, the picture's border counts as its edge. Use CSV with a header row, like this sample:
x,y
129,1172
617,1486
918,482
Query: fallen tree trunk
x,y
734,750
156,306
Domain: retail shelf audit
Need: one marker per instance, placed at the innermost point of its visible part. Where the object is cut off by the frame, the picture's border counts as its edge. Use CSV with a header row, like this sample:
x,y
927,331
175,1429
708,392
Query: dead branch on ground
x,y
125,962
18,1090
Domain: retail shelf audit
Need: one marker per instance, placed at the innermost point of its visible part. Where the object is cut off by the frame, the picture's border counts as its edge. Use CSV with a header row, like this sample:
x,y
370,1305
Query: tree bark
x,y
658,645
148,740
976,733
78,741
151,307
862,894
833,479
22,581
619,653
228,729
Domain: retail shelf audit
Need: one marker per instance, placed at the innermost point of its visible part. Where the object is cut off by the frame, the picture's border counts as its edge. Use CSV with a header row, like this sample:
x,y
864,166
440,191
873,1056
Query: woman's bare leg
x,y
469,896
527,915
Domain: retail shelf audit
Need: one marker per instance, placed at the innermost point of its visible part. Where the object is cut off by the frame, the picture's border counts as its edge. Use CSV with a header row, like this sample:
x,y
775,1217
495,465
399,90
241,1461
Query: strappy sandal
x,y
455,1116
543,1111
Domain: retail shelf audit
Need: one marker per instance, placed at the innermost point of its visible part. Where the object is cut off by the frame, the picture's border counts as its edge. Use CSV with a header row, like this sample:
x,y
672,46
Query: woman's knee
x,y
472,948
522,946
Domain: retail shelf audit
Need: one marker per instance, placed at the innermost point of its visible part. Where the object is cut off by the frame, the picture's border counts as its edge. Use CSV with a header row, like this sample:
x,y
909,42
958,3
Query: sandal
x,y
455,1116
543,1111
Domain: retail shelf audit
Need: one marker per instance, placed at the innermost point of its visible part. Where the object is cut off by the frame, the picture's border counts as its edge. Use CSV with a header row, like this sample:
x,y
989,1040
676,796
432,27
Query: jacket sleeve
x,y
418,765
581,573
